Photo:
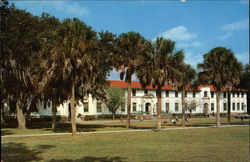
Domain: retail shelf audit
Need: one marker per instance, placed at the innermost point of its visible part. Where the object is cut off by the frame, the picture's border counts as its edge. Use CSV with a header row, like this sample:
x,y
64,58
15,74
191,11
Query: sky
x,y
196,26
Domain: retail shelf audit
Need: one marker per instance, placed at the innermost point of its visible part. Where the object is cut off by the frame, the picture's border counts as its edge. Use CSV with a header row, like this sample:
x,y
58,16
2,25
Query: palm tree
x,y
235,71
130,46
43,74
71,55
188,75
245,83
218,70
160,66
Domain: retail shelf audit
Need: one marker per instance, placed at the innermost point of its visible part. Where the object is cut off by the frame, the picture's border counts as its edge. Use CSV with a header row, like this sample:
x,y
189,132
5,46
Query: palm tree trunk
x,y
183,108
20,115
129,103
73,112
228,108
53,127
159,108
218,109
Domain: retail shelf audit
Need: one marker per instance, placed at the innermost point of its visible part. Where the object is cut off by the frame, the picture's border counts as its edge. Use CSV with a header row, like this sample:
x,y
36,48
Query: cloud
x,y
178,33
243,57
225,36
245,1
62,9
192,44
182,37
236,26
193,59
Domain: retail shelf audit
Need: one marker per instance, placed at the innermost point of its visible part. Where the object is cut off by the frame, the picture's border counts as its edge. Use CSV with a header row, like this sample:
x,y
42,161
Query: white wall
x,y
140,101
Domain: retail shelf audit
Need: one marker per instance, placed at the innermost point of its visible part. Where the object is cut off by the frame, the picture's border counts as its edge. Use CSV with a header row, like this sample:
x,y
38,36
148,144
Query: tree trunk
x,y
20,116
53,127
129,103
218,109
159,108
2,120
2,111
183,107
73,112
228,108
32,108
113,116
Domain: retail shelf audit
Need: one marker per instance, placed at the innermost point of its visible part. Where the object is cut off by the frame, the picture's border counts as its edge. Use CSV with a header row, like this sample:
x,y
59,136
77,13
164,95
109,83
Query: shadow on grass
x,y
19,152
66,127
245,122
91,159
201,125
5,132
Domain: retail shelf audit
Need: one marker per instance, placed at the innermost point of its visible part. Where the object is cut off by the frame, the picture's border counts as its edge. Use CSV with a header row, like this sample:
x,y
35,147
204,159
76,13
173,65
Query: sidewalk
x,y
119,131
124,120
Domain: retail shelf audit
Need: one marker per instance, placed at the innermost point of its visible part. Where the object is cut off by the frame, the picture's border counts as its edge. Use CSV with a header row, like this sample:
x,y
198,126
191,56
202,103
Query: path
x,y
118,131
124,120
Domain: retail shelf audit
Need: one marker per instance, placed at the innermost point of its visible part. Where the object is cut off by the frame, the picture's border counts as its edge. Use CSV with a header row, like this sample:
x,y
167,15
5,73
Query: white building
x,y
145,101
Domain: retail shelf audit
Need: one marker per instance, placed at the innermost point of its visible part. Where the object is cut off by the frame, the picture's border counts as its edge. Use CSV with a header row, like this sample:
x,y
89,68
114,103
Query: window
x,y
133,92
205,94
146,92
176,107
123,107
167,93
233,106
193,94
185,94
85,107
194,106
224,106
134,106
242,106
224,95
176,93
167,107
238,94
212,106
99,107
212,94
233,94
238,106
242,94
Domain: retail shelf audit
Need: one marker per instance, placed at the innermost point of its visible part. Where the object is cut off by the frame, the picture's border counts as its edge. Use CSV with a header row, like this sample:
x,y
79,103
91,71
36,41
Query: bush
x,y
89,117
196,115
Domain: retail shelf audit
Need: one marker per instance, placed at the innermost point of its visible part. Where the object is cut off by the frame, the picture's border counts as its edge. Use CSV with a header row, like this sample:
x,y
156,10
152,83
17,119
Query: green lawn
x,y
208,144
44,128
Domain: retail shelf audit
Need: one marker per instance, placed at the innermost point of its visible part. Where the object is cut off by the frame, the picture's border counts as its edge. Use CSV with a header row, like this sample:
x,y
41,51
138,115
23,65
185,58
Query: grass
x,y
45,128
208,144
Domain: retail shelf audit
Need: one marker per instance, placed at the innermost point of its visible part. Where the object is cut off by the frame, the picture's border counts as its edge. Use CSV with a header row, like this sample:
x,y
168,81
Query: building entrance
x,y
147,107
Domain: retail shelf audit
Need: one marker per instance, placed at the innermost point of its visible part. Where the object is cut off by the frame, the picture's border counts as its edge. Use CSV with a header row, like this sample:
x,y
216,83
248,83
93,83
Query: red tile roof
x,y
134,85
137,85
